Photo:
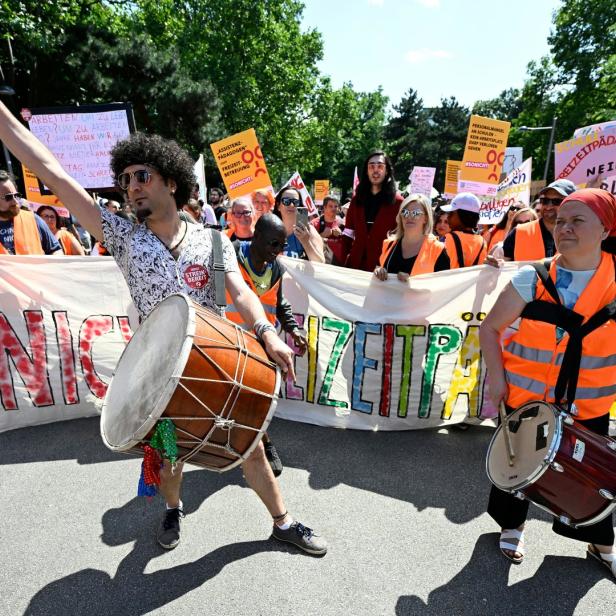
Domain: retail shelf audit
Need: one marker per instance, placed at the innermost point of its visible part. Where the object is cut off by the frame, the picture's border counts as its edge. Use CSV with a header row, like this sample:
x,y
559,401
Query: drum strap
x,y
219,270
571,322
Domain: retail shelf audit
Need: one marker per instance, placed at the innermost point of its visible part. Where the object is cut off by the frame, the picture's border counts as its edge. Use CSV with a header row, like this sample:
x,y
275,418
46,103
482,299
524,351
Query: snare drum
x,y
205,373
559,465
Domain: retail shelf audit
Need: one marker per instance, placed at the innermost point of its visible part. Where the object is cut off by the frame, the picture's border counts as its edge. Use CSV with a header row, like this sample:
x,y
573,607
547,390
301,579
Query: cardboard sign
x,y
241,164
81,138
296,182
515,187
36,192
321,190
484,155
584,158
452,172
422,179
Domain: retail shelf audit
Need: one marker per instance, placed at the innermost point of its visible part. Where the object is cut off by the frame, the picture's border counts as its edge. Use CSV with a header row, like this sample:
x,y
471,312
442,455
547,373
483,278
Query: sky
x,y
470,49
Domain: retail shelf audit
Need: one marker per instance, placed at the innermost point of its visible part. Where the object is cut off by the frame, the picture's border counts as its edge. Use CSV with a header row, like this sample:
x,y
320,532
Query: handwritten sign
x,y
585,157
514,188
452,172
296,182
321,190
484,155
241,164
422,180
81,138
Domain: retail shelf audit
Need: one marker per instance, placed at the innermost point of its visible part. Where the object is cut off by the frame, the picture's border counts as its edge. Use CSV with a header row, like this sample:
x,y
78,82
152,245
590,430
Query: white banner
x,y
389,355
382,355
64,322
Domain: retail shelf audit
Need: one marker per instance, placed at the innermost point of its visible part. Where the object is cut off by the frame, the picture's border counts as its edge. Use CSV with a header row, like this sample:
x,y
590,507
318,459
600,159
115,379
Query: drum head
x,y
535,436
148,373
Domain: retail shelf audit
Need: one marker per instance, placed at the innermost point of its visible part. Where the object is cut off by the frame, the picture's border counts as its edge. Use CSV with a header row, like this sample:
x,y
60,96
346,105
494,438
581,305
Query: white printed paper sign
x,y
422,180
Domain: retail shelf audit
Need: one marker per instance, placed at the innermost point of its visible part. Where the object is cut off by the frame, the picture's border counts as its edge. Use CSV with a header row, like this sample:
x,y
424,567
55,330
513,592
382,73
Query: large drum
x,y
208,375
559,465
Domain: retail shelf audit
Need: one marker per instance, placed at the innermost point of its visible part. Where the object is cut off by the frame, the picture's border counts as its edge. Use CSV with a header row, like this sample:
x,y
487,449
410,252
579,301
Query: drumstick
x,y
508,443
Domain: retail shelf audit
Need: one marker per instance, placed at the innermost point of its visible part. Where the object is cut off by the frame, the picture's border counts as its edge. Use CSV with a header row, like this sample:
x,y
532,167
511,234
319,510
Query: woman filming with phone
x,y
303,240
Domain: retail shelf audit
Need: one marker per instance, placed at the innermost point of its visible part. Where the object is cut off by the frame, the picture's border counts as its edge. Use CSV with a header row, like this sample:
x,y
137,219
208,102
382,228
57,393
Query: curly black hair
x,y
164,155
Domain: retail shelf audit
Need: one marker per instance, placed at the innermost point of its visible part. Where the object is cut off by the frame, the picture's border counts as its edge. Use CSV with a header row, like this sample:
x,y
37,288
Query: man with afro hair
x,y
160,256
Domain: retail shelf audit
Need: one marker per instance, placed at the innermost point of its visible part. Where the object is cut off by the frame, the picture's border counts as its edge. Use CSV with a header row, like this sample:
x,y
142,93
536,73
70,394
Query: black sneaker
x,y
169,530
302,537
273,458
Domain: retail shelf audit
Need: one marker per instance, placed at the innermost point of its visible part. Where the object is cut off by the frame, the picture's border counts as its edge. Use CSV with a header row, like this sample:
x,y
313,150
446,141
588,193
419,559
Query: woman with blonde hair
x,y
411,249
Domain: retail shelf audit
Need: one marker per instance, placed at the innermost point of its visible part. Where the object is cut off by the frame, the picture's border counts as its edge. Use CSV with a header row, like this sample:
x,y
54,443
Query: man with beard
x,y
159,257
22,232
532,241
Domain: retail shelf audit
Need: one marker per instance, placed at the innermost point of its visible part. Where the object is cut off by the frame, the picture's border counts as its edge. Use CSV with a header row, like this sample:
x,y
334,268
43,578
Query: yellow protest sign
x,y
33,190
321,190
451,177
241,163
484,154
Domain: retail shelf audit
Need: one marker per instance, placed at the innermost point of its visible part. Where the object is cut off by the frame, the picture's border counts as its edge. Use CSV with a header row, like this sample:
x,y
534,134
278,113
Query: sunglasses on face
x,y
143,176
245,213
412,213
12,196
290,202
276,245
548,201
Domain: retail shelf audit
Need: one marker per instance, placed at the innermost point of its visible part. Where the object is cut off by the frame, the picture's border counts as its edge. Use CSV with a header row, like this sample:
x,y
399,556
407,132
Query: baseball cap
x,y
562,187
463,201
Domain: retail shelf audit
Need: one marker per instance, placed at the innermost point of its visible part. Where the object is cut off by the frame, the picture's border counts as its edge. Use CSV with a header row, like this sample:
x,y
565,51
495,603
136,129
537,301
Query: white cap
x,y
463,201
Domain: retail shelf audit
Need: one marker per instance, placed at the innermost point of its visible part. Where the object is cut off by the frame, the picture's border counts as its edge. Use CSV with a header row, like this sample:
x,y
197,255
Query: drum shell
x,y
228,372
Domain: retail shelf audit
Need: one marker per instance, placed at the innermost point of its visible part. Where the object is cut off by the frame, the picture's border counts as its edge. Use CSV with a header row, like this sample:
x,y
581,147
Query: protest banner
x,y
593,128
514,157
484,154
514,188
452,173
37,195
584,158
64,321
422,180
321,190
200,175
355,180
81,138
241,164
296,181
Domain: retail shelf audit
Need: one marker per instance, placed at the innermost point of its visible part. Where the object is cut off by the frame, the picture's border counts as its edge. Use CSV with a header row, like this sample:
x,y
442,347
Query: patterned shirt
x,y
152,274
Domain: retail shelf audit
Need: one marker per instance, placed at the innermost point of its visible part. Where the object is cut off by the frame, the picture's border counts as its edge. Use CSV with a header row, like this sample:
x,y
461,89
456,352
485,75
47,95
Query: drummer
x,y
159,257
527,367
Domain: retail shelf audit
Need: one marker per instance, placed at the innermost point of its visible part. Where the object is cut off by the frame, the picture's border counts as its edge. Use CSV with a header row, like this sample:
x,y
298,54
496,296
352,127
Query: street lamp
x,y
553,130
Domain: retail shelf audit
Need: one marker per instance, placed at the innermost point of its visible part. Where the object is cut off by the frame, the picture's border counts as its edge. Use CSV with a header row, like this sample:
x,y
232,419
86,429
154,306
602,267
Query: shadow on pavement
x,y
481,587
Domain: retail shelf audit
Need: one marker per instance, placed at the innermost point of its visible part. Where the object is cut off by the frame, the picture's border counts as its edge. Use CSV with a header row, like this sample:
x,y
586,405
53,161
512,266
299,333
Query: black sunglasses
x,y
548,201
11,196
290,201
276,245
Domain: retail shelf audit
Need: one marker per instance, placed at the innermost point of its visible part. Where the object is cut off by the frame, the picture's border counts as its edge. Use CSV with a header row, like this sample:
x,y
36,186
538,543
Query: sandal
x,y
513,541
607,560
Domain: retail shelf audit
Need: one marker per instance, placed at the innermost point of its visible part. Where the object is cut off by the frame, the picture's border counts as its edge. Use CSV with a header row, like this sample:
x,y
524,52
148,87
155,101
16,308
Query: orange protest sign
x,y
321,190
484,154
451,177
241,163
33,190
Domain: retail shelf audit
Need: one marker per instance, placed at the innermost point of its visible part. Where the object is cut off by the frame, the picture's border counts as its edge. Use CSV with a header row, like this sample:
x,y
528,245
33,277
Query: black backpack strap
x,y
483,247
543,272
219,270
458,245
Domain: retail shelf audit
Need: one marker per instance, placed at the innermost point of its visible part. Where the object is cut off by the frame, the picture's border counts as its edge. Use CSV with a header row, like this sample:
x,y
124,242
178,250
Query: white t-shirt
x,y
152,274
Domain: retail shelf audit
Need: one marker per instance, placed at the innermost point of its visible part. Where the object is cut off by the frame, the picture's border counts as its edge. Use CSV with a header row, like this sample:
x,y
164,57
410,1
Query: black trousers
x,y
510,512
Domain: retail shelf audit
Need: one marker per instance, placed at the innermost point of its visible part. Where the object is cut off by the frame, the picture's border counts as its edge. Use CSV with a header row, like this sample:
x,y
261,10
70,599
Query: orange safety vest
x,y
494,237
472,248
528,242
429,252
64,237
269,299
532,357
26,236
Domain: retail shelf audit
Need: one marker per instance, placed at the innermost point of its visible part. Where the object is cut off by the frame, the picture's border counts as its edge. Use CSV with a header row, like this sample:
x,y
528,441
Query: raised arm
x,y
30,151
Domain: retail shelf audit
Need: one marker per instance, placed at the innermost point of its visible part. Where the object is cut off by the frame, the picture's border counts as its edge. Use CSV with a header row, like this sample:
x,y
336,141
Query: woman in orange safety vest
x,y
67,240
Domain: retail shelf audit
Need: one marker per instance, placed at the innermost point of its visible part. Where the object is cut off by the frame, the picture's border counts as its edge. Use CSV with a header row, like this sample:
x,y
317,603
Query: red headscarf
x,y
601,202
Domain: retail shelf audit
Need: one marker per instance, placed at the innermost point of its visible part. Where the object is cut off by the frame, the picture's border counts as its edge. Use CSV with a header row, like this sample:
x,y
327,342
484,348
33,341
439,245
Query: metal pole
x,y
551,144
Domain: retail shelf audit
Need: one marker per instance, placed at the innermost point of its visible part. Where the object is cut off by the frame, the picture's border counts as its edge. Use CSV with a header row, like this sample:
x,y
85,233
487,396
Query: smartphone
x,y
302,216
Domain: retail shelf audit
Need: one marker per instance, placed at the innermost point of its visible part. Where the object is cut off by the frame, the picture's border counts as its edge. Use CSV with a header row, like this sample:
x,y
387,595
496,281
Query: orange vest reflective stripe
x,y
26,236
64,237
269,300
474,249
430,251
532,356
528,242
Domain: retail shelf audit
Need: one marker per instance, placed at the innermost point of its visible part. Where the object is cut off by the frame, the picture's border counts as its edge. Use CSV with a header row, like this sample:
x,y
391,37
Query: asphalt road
x,y
403,513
